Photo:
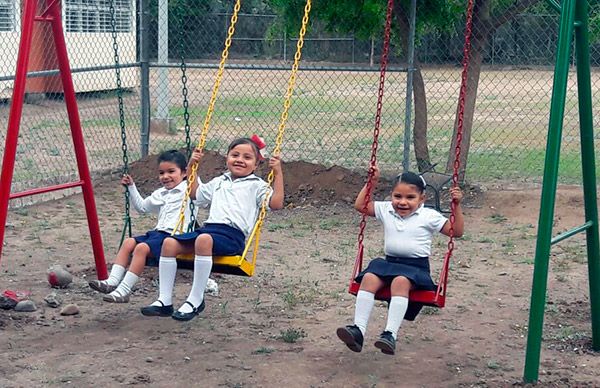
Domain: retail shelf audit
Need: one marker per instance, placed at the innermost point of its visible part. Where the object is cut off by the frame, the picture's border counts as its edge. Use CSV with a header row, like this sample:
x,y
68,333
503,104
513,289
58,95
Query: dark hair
x,y
173,156
412,179
245,140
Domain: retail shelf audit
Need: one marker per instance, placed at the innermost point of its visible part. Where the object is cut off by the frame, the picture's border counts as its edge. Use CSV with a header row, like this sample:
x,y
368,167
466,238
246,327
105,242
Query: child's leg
x,y
121,261
365,299
202,268
400,289
118,268
136,267
167,269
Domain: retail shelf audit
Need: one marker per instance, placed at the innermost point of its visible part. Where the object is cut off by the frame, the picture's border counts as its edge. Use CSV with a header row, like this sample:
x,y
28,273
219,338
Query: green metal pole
x,y
542,254
588,163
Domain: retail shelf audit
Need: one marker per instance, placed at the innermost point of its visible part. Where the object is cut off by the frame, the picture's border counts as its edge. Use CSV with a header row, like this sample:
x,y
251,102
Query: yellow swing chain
x,y
211,107
286,107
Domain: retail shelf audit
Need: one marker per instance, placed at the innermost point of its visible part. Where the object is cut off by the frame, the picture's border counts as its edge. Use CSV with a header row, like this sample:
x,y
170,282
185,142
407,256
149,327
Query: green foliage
x,y
292,335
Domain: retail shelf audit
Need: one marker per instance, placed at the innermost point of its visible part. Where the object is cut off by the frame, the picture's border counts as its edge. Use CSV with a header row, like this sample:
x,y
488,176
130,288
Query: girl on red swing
x,y
408,230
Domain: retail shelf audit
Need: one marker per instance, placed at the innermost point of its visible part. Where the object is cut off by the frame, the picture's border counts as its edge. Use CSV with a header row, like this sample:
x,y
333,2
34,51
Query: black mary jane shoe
x,y
179,316
157,311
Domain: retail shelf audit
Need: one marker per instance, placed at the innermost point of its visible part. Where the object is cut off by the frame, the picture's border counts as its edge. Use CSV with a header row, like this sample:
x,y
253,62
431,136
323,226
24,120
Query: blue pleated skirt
x,y
227,240
415,269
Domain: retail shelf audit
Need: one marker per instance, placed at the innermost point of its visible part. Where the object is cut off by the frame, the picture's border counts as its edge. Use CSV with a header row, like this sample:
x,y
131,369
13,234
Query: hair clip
x,y
260,143
423,180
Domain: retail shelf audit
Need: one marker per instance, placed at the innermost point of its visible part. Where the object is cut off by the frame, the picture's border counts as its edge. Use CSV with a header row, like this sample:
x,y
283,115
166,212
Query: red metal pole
x,y
78,141
14,117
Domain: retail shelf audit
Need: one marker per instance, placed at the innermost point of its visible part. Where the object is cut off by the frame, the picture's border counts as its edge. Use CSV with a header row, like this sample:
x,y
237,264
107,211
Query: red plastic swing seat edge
x,y
430,298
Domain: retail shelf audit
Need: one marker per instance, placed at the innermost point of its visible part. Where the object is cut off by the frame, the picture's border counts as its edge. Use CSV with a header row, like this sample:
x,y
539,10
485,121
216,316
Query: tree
x,y
365,19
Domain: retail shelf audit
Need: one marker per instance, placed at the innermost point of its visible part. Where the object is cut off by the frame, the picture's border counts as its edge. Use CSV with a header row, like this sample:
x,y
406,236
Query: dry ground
x,y
278,328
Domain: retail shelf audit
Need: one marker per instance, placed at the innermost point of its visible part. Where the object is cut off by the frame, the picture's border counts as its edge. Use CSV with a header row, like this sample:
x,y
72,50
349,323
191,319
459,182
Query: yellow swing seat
x,y
232,265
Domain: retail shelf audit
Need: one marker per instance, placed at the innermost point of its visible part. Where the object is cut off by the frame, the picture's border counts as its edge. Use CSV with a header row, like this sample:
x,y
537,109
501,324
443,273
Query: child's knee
x,y
142,248
204,242
169,246
130,242
401,283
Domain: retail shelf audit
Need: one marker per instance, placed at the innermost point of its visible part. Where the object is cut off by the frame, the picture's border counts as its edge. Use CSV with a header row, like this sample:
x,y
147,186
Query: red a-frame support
x,y
51,14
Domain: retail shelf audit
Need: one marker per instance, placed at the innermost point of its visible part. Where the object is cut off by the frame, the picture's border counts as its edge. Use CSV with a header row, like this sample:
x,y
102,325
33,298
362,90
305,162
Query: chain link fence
x,y
332,115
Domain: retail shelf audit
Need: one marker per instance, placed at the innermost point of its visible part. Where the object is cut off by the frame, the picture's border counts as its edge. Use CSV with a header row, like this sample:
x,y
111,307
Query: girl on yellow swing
x,y
235,198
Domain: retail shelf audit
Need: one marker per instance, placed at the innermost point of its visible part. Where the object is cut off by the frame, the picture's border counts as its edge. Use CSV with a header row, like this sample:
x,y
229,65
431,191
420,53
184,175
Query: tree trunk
x,y
479,40
420,129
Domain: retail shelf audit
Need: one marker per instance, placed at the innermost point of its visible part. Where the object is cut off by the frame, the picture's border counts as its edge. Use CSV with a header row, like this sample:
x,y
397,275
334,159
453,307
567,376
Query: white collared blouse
x,y
166,203
408,236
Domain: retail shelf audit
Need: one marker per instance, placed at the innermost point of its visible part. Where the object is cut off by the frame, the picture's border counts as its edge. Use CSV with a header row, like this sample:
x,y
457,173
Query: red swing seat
x,y
431,298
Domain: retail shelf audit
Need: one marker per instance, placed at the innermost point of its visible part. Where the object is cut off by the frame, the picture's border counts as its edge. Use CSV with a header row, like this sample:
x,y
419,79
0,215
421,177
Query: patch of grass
x,y
567,333
330,224
508,245
428,310
273,226
492,364
263,350
496,218
527,260
485,240
290,298
292,335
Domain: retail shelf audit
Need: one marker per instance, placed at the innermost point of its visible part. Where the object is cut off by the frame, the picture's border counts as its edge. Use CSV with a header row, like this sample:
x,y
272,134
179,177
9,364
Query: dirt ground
x,y
278,327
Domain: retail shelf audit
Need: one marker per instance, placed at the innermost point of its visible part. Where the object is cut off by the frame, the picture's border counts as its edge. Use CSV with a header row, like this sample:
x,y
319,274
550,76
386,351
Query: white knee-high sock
x,y
396,312
364,304
202,267
167,270
116,274
126,284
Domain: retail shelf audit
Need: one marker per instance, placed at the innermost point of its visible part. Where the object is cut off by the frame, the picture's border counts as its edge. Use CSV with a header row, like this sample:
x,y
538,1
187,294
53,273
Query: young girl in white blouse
x,y
139,251
408,230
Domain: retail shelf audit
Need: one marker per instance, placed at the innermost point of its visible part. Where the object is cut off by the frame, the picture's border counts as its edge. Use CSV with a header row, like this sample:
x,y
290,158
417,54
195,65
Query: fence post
x,y
144,78
409,85
284,46
162,88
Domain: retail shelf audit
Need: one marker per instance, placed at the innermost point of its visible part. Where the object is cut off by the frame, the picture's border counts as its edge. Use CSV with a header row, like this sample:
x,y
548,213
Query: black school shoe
x,y
157,311
351,336
179,316
386,343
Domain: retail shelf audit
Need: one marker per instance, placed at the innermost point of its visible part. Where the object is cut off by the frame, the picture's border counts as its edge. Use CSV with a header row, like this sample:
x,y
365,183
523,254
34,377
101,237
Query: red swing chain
x,y
382,67
382,70
459,136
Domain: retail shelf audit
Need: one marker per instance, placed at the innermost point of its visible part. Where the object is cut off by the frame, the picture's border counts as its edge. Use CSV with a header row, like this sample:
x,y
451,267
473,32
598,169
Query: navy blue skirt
x,y
154,239
227,240
414,269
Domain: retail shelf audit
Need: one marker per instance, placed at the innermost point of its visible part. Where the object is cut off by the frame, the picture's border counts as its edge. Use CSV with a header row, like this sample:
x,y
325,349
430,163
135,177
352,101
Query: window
x,y
7,15
95,16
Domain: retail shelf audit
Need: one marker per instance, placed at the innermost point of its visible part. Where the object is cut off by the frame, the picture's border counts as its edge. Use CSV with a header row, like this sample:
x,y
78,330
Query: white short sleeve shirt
x,y
234,202
408,236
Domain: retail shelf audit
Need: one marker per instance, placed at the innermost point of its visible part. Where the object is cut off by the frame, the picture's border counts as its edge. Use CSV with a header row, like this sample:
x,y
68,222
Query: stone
x,y
58,277
53,300
7,303
70,309
26,306
212,288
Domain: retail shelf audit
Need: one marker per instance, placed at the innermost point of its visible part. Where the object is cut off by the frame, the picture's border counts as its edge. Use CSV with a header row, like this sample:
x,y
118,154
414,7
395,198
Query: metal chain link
x,y
211,106
460,120
124,148
186,119
286,107
375,144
